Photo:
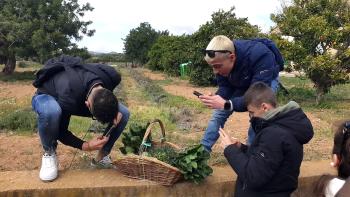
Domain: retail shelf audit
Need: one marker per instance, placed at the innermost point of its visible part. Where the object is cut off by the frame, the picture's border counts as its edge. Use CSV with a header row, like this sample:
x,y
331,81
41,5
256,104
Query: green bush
x,y
28,64
19,120
18,76
23,64
168,52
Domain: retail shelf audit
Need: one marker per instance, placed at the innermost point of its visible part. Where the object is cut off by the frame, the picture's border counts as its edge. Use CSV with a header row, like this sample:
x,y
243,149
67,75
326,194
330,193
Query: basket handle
x,y
149,130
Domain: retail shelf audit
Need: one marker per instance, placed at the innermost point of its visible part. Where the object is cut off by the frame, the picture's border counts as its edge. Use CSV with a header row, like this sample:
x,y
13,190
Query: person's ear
x,y
264,107
117,118
87,104
232,56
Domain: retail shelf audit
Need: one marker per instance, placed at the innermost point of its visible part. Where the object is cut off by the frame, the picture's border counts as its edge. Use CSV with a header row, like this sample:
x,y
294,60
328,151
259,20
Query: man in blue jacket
x,y
237,64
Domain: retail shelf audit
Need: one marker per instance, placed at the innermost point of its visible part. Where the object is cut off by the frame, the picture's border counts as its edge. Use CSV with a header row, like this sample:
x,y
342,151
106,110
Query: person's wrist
x,y
89,148
86,146
238,144
227,145
227,105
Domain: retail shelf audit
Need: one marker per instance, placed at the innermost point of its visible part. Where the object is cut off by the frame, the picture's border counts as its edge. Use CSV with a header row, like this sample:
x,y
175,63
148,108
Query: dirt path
x,y
18,90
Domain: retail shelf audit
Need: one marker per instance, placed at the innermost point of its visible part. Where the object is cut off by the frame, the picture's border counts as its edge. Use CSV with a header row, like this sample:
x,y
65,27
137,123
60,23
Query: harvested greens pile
x,y
192,162
133,139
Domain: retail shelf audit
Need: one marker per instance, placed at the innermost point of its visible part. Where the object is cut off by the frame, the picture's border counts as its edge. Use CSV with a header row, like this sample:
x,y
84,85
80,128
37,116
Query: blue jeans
x,y
218,120
49,115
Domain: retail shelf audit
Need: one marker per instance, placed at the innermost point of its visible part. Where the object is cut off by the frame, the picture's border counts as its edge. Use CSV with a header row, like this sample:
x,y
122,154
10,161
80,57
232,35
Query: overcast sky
x,y
113,19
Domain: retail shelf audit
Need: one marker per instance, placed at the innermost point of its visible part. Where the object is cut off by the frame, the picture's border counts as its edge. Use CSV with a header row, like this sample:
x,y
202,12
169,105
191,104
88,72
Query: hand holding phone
x,y
108,130
197,93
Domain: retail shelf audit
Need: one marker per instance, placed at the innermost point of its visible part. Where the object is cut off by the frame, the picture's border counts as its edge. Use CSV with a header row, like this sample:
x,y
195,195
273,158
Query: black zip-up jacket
x,y
270,166
69,80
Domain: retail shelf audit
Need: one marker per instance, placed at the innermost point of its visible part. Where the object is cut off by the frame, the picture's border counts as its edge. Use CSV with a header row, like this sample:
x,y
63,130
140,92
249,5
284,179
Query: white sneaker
x,y
49,167
105,162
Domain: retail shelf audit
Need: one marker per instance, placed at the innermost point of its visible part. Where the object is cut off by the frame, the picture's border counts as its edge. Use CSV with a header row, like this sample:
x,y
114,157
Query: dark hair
x,y
104,105
344,132
344,166
259,93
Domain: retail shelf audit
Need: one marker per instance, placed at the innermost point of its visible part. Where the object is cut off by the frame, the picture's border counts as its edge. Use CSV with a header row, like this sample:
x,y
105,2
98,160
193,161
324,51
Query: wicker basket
x,y
142,167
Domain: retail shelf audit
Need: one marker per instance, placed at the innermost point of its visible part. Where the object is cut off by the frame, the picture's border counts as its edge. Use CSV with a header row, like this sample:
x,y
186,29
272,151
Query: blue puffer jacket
x,y
256,60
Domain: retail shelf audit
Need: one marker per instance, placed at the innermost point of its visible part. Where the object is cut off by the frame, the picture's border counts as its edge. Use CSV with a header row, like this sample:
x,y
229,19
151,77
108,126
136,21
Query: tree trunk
x,y
319,94
10,65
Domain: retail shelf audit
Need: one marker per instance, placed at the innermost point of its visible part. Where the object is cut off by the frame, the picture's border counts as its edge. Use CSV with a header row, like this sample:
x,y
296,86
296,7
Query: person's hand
x,y
226,140
95,144
335,161
213,101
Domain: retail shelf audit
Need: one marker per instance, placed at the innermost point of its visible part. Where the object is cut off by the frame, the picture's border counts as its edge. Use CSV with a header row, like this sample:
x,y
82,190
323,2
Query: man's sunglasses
x,y
211,53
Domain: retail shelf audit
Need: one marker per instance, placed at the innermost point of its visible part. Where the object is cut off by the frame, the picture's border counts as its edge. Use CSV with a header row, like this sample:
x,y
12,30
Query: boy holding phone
x,y
270,165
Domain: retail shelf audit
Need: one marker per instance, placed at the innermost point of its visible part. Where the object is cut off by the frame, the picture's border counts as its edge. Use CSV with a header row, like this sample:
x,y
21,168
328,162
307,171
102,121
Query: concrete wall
x,y
111,183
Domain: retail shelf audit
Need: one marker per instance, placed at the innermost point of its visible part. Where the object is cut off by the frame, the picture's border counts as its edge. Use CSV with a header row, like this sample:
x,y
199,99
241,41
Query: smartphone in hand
x,y
197,93
108,130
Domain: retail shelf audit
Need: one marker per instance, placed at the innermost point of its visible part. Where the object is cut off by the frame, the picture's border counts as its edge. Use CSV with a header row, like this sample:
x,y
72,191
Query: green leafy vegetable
x,y
193,163
133,138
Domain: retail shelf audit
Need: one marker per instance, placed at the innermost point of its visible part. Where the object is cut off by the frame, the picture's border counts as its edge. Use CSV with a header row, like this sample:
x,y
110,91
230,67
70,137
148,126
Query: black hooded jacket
x,y
270,166
69,80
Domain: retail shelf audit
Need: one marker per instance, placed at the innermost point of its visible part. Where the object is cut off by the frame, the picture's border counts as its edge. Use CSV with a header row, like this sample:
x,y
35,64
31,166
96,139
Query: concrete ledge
x,y
112,183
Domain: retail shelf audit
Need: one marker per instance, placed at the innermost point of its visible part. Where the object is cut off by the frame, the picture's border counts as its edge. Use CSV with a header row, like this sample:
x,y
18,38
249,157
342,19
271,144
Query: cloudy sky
x,y
113,19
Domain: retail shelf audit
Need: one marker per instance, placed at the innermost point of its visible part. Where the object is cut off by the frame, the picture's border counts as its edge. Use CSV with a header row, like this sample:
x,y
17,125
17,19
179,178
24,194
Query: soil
x,y
18,90
153,75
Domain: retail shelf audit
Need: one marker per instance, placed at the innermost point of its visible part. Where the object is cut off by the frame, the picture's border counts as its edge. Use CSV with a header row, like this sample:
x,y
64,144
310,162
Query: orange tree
x,y
320,41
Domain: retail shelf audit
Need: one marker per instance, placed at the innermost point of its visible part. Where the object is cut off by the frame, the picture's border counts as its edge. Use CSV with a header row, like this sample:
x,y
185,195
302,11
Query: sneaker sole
x,y
48,180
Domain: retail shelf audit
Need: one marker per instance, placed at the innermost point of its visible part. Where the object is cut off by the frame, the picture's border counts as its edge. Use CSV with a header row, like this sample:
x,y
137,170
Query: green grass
x,y
302,89
21,76
29,64
182,102
18,76
167,81
335,105
79,124
19,120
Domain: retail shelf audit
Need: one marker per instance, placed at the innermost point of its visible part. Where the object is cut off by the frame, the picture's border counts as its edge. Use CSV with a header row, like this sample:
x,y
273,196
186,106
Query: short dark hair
x,y
259,93
104,105
342,133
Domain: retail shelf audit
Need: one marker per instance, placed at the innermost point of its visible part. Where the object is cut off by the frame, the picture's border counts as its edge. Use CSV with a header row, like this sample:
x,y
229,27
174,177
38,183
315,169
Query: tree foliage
x,y
168,52
320,30
40,29
139,41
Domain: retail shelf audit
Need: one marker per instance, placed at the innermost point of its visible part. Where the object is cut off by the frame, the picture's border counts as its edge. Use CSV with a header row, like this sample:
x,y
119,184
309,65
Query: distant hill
x,y
94,53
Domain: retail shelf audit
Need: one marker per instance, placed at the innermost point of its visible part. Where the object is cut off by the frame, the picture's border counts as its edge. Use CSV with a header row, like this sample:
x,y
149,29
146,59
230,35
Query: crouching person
x,y
65,87
270,165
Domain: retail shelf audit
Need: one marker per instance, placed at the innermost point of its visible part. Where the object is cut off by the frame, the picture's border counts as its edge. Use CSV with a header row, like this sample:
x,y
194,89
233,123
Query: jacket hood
x,y
289,117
